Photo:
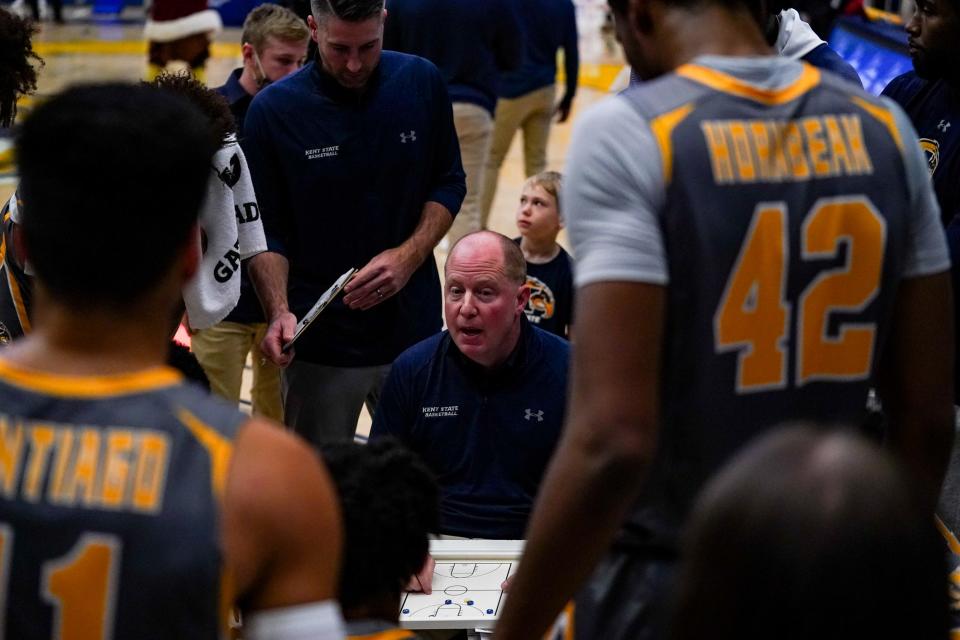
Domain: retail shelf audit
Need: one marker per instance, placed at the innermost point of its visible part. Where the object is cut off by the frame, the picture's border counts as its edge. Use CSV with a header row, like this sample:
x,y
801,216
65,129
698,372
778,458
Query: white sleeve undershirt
x,y
312,621
613,189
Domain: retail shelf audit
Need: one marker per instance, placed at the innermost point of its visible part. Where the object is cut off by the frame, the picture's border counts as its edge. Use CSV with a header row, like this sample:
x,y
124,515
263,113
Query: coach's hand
x,y
279,333
381,278
422,581
563,108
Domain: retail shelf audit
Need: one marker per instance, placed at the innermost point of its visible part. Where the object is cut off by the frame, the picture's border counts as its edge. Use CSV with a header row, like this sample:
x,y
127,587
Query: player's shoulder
x,y
612,122
190,402
825,58
272,472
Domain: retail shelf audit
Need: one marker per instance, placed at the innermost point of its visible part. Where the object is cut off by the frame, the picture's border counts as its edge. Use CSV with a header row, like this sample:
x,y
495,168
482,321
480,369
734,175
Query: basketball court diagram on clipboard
x,y
463,593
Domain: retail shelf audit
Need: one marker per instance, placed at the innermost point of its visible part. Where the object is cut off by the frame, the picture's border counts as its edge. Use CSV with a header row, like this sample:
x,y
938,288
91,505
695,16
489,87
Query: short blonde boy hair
x,y
552,183
272,21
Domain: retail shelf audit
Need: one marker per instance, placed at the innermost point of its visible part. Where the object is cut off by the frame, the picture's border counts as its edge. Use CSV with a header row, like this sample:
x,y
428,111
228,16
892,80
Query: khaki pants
x,y
474,126
531,113
222,351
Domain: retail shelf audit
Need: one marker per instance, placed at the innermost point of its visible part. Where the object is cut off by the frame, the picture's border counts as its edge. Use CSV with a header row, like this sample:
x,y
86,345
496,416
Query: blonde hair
x,y
552,183
272,21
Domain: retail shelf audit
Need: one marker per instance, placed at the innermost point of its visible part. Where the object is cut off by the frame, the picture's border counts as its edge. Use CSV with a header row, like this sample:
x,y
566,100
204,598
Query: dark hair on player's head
x,y
17,73
348,10
390,503
811,534
113,177
212,104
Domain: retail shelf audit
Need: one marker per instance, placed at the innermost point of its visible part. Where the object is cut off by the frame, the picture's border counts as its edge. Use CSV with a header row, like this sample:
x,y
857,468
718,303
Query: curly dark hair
x,y
390,502
18,76
212,104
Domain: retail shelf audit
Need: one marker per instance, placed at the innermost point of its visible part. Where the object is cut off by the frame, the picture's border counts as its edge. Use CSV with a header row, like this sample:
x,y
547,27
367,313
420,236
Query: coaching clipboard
x,y
321,304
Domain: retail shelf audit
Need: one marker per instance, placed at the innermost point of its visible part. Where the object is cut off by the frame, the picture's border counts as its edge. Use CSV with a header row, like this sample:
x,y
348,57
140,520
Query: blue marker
x,y
449,602
470,602
406,611
490,611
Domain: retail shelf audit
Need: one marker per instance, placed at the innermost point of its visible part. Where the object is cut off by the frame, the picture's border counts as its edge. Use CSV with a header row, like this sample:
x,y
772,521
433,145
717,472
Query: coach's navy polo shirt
x,y
342,176
487,435
829,60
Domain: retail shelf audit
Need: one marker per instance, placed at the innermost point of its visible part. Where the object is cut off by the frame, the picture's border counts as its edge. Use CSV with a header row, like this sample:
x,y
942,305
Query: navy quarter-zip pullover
x,y
342,176
486,434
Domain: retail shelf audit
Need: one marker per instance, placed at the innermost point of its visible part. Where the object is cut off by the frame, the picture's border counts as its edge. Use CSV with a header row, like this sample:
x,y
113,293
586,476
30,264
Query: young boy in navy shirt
x,y
549,266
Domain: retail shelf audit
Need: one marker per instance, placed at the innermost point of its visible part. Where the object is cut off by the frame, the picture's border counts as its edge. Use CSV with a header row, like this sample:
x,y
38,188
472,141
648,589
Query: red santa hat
x,y
175,19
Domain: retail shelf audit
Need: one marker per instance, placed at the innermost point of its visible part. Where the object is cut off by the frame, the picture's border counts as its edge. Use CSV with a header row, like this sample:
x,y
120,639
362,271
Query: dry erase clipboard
x,y
321,304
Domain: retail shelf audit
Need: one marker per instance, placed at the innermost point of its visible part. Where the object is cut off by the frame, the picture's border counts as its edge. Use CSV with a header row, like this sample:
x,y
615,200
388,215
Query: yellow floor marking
x,y
118,48
593,75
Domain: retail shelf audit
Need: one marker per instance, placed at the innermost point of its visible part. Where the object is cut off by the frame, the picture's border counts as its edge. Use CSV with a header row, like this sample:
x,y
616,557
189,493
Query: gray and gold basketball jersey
x,y
785,231
110,492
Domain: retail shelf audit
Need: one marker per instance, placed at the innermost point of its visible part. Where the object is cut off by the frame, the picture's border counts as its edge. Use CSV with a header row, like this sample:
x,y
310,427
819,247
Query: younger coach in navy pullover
x,y
350,181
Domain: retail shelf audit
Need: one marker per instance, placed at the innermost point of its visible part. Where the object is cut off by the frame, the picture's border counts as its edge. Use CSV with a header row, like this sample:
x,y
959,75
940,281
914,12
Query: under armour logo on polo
x,y
943,126
408,137
530,413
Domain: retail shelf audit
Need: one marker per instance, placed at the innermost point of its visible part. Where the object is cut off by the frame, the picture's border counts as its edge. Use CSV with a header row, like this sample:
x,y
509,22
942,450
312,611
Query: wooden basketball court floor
x,y
91,49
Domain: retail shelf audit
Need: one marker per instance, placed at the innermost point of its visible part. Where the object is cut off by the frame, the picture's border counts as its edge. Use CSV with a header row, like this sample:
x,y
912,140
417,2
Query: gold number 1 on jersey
x,y
81,586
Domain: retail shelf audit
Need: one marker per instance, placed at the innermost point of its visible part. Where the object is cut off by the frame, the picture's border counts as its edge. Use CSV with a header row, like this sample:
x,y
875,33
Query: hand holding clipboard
x,y
320,305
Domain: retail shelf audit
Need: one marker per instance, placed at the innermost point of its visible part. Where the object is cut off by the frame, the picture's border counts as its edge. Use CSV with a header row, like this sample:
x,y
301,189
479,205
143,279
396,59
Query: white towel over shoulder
x,y
230,220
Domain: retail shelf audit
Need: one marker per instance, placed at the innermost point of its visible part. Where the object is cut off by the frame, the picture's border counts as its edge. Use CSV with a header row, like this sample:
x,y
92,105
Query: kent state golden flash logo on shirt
x,y
931,151
542,303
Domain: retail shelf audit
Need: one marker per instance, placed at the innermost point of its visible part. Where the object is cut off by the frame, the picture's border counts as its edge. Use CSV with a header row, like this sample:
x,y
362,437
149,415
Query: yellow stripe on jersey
x,y
663,127
883,115
948,535
219,448
18,304
392,634
809,78
56,384
14,287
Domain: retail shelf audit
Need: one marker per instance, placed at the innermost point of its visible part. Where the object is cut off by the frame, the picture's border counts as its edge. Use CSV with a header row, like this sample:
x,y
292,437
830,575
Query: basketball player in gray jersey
x,y
132,504
757,242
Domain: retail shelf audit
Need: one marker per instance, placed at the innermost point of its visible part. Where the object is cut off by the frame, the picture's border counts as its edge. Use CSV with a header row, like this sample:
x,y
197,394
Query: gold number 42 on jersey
x,y
753,316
